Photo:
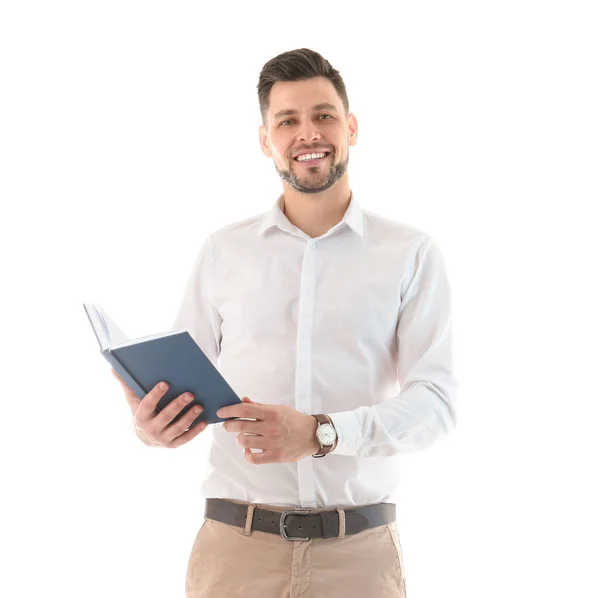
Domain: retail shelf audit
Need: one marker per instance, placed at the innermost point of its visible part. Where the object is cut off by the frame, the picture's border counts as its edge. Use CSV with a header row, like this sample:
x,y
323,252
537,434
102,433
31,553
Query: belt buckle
x,y
282,525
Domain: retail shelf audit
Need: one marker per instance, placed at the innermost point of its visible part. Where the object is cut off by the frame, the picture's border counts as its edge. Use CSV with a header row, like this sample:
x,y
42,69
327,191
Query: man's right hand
x,y
157,429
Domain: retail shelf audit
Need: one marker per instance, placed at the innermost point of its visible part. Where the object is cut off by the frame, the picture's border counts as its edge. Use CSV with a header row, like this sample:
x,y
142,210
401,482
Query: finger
x,y
114,373
121,381
189,435
133,402
258,458
247,410
147,407
170,412
254,441
232,425
177,428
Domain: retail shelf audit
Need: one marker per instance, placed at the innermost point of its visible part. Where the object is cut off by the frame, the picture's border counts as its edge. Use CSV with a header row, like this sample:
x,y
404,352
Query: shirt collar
x,y
275,217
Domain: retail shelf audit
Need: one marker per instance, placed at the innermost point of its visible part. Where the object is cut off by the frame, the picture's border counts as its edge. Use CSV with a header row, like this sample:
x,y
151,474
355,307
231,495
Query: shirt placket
x,y
304,401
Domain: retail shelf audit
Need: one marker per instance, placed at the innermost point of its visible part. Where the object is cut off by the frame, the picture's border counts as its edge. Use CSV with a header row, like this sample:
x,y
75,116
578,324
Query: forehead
x,y
303,95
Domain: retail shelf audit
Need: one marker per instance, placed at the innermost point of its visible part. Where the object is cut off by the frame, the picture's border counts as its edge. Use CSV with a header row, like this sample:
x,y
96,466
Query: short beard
x,y
335,173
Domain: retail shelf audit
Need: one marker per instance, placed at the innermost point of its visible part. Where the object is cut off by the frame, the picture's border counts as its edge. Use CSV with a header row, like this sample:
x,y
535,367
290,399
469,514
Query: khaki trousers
x,y
227,561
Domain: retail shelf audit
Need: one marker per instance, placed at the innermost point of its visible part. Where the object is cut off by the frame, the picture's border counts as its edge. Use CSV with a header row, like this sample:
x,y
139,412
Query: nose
x,y
309,132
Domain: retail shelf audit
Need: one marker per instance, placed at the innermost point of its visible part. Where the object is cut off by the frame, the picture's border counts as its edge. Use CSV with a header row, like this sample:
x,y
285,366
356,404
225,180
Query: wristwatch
x,y
326,435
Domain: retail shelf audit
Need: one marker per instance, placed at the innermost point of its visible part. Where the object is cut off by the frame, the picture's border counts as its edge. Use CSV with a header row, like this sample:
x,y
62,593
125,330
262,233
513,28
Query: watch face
x,y
326,434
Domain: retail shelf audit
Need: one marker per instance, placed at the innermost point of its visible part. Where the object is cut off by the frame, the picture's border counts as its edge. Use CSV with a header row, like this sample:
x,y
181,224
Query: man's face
x,y
321,130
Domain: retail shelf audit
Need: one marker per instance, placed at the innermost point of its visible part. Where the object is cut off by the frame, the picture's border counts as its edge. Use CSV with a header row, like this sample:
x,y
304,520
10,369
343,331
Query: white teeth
x,y
305,157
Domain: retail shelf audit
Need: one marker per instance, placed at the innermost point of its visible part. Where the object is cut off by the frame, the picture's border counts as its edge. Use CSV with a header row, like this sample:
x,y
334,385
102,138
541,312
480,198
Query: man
x,y
334,325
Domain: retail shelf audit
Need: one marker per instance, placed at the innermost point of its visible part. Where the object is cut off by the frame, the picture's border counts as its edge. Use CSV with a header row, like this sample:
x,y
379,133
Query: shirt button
x,y
313,246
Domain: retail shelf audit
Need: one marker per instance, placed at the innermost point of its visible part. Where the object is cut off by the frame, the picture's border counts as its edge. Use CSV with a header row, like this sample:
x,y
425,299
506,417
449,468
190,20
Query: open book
x,y
171,356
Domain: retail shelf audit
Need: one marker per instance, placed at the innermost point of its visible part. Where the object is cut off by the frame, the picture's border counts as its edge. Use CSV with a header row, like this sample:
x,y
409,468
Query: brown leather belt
x,y
301,524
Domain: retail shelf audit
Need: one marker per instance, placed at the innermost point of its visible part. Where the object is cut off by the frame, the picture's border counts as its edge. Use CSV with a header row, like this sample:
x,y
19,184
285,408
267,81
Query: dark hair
x,y
297,65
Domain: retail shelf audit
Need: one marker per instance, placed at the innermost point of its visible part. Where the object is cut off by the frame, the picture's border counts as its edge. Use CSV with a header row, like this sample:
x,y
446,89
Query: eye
x,y
289,121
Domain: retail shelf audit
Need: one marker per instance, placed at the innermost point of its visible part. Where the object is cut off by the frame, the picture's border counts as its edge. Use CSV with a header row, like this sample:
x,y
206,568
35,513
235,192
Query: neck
x,y
315,213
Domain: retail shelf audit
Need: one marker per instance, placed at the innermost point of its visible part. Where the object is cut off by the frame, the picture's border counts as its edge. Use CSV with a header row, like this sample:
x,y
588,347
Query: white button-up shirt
x,y
354,324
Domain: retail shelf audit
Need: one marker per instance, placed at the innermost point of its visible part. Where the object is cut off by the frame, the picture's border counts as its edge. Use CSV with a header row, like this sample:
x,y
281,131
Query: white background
x,y
129,131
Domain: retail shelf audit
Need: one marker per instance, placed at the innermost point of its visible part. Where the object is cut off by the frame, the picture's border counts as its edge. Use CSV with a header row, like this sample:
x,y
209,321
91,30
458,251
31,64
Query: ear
x,y
352,129
265,144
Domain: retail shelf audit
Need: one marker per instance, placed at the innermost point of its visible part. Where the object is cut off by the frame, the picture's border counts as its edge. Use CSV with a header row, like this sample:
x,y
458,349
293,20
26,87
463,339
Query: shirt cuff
x,y
347,427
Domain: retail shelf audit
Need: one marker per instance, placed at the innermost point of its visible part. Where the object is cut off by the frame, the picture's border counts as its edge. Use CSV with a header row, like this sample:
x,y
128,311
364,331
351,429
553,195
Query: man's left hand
x,y
284,434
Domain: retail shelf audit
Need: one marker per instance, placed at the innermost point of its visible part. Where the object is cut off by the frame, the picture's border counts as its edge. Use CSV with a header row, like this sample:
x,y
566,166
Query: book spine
x,y
125,375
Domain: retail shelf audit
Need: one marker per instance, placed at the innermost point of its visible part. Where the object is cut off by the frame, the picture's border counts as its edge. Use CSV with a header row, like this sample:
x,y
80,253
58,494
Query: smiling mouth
x,y
313,162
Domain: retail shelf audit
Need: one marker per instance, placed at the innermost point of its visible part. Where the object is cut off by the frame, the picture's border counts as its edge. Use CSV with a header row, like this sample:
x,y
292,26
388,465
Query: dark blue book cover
x,y
173,357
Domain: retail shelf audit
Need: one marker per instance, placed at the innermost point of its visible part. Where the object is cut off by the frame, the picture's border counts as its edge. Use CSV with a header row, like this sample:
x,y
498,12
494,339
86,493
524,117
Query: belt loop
x,y
342,515
249,519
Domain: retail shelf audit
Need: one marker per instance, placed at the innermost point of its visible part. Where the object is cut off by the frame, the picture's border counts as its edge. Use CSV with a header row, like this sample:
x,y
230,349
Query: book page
x,y
98,325
135,341
115,335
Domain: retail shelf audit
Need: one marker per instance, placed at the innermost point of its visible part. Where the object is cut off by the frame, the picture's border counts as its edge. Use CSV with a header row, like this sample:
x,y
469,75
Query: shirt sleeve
x,y
197,313
425,407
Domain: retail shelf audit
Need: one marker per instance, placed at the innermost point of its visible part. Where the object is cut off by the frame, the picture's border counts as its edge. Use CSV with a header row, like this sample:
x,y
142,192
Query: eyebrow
x,y
322,106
